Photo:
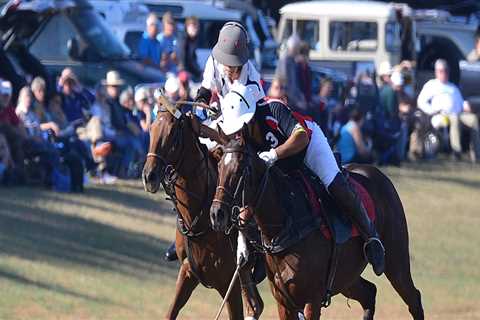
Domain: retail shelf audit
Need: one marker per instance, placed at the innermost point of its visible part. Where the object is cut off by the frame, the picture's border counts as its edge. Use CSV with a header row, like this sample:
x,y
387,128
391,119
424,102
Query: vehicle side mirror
x,y
73,49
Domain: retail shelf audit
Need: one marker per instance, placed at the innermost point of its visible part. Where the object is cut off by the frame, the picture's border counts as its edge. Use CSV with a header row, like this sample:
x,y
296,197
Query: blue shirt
x,y
168,45
149,48
74,105
346,145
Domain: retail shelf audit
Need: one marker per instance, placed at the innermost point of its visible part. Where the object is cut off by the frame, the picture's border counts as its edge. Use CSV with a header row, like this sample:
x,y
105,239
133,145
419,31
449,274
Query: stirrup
x,y
370,240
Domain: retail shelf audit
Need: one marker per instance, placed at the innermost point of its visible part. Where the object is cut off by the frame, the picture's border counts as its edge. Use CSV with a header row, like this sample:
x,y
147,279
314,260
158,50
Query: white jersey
x,y
215,79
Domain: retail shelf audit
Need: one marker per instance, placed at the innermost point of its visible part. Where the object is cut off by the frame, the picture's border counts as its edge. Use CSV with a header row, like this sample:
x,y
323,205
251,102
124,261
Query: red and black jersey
x,y
277,123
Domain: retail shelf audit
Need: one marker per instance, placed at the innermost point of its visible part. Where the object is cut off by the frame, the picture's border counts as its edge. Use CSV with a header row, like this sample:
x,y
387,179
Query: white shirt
x,y
437,96
214,78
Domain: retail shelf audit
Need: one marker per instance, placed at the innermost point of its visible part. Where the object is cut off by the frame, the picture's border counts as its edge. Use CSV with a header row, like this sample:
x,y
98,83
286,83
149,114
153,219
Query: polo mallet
x,y
230,287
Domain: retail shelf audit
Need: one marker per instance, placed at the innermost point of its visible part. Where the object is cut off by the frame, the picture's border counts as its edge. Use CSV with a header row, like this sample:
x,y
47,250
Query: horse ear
x,y
221,135
245,132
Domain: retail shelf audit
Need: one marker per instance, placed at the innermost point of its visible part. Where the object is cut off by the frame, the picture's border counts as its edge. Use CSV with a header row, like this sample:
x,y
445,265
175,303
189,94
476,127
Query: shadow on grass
x,y
467,183
12,276
48,235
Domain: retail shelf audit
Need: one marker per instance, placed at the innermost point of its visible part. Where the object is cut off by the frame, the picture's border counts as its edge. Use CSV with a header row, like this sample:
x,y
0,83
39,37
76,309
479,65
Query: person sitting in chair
x,y
291,142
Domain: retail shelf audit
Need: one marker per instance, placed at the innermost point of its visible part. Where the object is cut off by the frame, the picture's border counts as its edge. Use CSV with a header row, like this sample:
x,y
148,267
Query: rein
x,y
241,187
169,182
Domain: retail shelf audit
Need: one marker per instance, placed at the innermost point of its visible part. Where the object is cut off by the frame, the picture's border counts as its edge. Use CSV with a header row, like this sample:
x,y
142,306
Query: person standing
x,y
123,139
168,45
149,46
188,47
439,95
287,71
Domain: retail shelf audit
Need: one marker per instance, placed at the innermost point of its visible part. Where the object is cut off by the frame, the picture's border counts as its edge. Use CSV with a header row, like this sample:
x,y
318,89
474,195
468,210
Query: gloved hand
x,y
214,110
270,157
242,250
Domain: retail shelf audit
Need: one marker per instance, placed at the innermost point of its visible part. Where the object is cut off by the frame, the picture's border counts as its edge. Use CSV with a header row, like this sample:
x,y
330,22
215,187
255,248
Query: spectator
x,y
188,47
68,73
127,101
123,139
144,107
388,97
75,105
277,90
441,96
405,108
287,72
149,47
38,144
172,87
304,71
25,112
184,86
351,144
6,162
168,44
39,89
102,132
12,128
323,105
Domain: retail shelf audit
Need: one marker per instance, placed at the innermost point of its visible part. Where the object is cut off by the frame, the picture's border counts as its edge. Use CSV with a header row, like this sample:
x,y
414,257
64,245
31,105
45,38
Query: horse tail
x,y
392,226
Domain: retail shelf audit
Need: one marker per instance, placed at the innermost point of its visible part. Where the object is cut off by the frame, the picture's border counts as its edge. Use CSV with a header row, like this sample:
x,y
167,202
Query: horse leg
x,y
251,297
186,283
400,277
285,314
312,311
364,292
234,301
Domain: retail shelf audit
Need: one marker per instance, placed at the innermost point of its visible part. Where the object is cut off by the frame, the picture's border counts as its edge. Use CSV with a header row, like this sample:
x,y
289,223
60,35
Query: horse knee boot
x,y
171,253
250,293
351,205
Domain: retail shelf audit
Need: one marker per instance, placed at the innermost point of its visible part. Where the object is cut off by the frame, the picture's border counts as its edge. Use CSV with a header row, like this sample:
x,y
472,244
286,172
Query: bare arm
x,y
297,141
359,142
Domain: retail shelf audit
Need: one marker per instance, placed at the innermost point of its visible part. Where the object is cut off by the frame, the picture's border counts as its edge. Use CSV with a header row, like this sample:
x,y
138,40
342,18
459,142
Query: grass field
x,y
98,255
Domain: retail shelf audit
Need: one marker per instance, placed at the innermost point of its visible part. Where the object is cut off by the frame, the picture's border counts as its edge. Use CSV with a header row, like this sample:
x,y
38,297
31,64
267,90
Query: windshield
x,y
96,33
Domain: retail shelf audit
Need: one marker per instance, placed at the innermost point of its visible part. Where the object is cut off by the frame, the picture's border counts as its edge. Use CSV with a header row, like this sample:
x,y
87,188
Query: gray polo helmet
x,y
232,45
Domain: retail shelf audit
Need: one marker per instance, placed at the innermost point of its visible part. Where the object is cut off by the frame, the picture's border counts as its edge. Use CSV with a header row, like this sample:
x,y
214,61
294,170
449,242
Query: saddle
x,y
334,223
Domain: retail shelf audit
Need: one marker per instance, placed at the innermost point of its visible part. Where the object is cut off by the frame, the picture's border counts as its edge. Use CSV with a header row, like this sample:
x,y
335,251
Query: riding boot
x,y
171,253
349,202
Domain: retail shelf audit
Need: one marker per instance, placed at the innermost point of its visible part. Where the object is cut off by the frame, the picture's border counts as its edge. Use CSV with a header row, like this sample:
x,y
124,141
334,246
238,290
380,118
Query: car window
x,y
101,41
287,30
392,36
353,36
51,43
308,30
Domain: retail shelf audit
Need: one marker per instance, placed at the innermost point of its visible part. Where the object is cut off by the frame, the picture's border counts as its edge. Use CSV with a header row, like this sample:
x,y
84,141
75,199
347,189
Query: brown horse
x,y
298,275
207,256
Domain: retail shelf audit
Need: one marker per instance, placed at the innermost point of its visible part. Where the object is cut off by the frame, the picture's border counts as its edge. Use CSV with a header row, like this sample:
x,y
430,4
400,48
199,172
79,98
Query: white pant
x,y
319,157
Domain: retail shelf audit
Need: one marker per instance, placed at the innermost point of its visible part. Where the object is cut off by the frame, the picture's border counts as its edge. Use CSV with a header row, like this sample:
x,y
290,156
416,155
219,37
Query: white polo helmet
x,y
238,107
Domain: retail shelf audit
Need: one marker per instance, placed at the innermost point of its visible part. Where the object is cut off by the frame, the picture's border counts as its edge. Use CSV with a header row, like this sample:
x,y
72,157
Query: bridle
x,y
244,180
169,178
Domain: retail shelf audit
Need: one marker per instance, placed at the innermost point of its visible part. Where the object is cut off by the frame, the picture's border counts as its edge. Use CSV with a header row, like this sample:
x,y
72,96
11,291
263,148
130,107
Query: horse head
x,y
234,175
167,143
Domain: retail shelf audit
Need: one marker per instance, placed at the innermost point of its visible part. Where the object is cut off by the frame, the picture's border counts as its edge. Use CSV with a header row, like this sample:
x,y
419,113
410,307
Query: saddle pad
x,y
342,227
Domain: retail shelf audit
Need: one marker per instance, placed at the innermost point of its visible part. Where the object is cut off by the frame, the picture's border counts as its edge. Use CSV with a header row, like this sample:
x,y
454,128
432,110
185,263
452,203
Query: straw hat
x,y
113,79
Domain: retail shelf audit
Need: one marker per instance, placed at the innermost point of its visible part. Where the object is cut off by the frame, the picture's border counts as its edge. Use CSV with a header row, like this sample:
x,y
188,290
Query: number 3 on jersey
x,y
272,140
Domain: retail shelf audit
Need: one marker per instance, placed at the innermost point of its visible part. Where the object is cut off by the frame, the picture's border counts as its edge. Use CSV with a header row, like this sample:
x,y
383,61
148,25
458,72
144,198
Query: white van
x,y
350,36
